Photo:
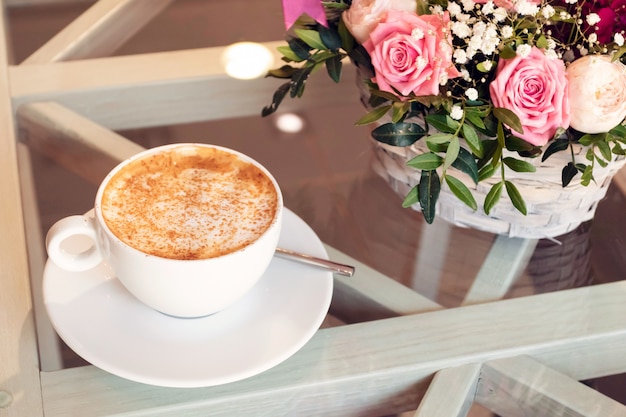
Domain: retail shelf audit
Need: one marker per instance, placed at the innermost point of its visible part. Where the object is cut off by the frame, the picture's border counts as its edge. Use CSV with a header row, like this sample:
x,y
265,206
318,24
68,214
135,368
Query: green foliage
x,y
429,189
481,141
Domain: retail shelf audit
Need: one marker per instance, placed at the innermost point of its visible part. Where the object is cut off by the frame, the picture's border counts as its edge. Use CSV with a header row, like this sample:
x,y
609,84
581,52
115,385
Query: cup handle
x,y
69,227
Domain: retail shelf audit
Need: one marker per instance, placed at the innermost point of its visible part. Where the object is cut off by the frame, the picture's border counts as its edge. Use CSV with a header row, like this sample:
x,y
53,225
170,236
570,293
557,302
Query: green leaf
x,y
509,118
289,53
466,163
474,117
329,37
486,172
473,141
398,134
568,173
347,40
605,150
516,197
542,42
617,149
298,47
399,111
411,198
277,98
298,81
518,165
554,147
619,131
452,152
497,154
373,116
286,71
516,144
587,176
426,161
590,139
439,138
492,197
500,135
507,52
311,38
461,191
440,122
333,67
429,188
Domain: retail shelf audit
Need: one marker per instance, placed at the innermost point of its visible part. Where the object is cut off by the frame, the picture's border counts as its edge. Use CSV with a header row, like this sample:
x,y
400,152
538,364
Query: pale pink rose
x,y
411,53
535,89
364,15
597,93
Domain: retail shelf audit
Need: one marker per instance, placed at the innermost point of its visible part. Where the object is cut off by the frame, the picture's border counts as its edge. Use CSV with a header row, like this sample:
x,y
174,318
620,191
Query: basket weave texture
x,y
552,209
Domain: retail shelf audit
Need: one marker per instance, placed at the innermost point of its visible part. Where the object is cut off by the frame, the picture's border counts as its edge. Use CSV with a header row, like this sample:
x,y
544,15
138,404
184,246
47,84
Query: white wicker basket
x,y
552,209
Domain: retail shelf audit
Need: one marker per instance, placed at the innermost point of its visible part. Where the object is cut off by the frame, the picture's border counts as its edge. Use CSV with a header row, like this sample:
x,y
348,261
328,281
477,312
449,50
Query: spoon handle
x,y
335,267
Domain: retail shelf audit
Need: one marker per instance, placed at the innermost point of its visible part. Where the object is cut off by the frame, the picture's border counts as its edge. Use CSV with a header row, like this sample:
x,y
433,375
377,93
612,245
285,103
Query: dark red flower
x,y
612,15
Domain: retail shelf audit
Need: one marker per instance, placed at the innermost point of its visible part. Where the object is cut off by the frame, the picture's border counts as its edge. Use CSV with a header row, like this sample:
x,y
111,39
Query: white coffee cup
x,y
155,250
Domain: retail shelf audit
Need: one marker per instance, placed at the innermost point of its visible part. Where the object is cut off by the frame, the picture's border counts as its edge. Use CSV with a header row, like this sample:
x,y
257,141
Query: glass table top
x,y
326,176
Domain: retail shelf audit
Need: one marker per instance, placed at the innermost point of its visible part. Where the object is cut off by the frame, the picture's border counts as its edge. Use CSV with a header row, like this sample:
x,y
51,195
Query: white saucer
x,y
95,315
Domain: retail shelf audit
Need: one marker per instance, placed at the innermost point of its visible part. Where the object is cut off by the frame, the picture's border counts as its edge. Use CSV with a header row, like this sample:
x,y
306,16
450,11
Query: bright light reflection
x,y
247,60
289,123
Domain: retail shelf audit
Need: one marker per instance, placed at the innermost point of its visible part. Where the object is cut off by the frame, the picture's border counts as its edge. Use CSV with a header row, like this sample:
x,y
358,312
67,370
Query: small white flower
x,y
443,78
417,34
571,1
524,50
468,5
506,31
487,65
461,30
436,9
526,8
548,11
471,93
460,56
456,112
593,38
619,39
454,9
488,8
500,14
592,19
420,62
551,54
466,75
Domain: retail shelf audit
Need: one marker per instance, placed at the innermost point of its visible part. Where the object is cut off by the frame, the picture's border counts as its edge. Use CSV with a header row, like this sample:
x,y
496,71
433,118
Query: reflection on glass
x,y
247,60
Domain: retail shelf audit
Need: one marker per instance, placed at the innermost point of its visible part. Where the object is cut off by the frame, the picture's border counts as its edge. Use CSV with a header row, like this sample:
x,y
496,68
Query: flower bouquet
x,y
504,115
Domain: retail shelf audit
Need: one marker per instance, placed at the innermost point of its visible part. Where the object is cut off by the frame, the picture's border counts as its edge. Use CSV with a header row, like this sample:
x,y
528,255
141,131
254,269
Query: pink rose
x,y
411,53
534,88
597,93
364,15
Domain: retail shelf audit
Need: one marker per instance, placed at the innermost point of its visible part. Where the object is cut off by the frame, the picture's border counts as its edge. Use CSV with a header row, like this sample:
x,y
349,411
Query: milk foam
x,y
189,203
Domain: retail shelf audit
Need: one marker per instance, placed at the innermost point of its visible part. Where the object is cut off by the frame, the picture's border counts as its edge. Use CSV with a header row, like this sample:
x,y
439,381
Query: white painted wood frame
x,y
378,367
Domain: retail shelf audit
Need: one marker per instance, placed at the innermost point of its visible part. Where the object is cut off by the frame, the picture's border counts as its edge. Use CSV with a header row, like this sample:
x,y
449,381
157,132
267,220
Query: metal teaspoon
x,y
335,267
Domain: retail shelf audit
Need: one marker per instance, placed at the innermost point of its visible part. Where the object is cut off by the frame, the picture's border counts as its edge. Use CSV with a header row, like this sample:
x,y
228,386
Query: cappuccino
x,y
189,202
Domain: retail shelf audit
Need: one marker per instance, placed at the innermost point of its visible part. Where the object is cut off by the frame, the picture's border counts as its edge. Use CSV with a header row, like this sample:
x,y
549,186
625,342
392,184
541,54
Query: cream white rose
x,y
597,93
363,15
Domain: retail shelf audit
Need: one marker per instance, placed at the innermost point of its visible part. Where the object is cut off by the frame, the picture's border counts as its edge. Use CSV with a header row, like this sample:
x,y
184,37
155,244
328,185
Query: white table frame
x,y
517,357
